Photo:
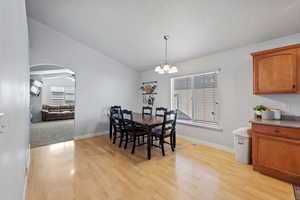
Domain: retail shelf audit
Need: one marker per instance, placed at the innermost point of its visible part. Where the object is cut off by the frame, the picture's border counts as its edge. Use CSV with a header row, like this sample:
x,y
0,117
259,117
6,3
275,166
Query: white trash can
x,y
242,145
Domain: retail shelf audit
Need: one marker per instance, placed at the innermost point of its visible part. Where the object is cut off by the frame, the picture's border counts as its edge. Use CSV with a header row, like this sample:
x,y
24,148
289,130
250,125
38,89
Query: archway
x,y
52,104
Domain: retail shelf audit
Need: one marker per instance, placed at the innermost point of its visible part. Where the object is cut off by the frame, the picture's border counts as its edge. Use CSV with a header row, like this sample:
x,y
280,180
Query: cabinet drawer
x,y
291,133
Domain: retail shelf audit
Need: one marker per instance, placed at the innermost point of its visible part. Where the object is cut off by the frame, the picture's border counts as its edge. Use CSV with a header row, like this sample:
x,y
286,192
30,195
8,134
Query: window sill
x,y
201,124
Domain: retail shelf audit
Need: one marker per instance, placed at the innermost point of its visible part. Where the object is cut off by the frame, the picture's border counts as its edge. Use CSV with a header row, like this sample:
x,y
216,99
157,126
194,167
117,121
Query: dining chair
x,y
160,111
168,130
126,118
118,108
131,131
117,124
147,110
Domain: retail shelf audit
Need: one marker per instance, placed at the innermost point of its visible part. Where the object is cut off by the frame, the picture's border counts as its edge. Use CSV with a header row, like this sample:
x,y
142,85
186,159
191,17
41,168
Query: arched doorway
x,y
52,104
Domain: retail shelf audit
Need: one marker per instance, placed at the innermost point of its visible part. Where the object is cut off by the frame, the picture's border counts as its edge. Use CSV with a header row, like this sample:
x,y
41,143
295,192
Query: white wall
x,y
235,85
100,81
14,98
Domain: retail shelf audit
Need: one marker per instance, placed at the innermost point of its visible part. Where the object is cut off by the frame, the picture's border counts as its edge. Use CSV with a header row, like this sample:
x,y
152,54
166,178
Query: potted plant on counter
x,y
258,110
263,112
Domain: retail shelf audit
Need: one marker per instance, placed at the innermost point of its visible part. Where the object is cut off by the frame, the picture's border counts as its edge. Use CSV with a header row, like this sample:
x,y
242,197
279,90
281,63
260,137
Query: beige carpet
x,y
297,192
51,132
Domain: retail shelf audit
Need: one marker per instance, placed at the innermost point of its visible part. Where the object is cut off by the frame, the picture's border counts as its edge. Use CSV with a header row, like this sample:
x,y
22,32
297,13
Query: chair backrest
x,y
127,122
160,111
147,110
116,118
127,114
169,123
115,108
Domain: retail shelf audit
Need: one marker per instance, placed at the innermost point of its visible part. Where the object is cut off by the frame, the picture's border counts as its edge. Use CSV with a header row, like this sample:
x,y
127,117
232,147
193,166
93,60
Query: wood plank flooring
x,y
95,169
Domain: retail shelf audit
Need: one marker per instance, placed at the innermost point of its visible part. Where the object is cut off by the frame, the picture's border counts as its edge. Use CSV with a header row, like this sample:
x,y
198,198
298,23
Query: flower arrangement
x,y
148,89
259,109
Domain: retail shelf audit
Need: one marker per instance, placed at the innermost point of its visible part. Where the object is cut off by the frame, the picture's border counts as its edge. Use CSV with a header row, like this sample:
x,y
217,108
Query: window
x,y
196,98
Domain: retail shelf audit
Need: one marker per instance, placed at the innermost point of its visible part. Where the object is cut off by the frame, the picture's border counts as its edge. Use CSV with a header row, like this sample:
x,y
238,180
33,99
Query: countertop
x,y
282,123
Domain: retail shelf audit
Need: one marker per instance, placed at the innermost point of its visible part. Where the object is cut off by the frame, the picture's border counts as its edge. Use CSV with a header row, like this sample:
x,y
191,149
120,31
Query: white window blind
x,y
195,97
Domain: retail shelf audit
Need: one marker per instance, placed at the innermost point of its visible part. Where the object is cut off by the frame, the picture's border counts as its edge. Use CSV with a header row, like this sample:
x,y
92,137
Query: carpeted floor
x,y
44,133
297,192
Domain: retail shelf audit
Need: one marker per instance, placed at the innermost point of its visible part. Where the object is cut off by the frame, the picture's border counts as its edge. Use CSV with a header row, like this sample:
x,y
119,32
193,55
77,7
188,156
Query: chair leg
x,y
126,142
171,143
174,139
110,128
162,146
115,136
152,139
139,140
133,146
143,139
121,139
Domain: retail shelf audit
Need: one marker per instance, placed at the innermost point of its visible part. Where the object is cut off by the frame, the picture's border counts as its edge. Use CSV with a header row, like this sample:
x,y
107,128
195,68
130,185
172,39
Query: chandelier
x,y
166,68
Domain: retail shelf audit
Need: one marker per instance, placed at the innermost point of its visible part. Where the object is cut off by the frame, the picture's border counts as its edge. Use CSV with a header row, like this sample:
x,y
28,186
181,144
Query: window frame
x,y
204,124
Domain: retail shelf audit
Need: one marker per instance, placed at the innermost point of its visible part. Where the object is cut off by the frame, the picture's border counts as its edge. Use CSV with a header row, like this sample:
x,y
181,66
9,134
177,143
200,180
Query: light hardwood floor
x,y
95,169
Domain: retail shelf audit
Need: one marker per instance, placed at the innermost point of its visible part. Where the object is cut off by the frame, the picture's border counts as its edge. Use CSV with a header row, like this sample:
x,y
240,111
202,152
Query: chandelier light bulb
x,y
157,69
166,68
173,69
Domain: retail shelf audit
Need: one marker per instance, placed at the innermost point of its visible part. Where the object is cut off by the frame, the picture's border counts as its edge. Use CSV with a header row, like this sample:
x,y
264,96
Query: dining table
x,y
148,122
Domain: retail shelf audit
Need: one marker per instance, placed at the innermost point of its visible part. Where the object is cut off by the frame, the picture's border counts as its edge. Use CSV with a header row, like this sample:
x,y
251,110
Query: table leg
x,y
149,143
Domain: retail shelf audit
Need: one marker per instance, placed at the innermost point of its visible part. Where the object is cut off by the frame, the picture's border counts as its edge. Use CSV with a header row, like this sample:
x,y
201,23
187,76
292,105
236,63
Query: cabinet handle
x,y
294,86
277,131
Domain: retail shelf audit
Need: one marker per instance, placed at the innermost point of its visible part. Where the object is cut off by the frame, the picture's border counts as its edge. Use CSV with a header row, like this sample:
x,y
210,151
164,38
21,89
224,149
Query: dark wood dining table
x,y
148,122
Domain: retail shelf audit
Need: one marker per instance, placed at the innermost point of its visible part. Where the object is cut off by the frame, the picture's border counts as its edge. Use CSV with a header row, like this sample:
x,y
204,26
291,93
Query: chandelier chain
x,y
166,68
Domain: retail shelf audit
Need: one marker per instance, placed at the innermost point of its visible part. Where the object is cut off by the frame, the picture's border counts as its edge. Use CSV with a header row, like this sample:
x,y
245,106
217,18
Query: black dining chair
x,y
132,131
147,110
117,124
126,118
118,109
168,130
160,111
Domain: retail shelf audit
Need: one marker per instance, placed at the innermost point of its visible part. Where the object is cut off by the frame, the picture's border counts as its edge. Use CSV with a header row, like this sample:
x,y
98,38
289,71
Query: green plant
x,y
260,108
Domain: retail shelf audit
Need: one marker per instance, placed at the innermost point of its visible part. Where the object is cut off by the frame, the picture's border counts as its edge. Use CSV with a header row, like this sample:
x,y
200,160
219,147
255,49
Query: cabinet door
x,y
276,156
275,72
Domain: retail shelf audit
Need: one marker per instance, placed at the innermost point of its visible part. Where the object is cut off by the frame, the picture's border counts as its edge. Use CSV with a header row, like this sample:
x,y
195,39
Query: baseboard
x,y
213,145
90,135
28,160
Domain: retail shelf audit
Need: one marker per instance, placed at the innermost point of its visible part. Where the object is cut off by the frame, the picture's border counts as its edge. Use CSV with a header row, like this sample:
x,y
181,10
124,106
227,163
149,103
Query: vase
x,y
267,115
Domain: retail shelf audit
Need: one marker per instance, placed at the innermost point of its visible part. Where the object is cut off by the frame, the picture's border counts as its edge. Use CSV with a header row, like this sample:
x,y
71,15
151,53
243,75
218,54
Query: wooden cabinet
x,y
276,152
277,70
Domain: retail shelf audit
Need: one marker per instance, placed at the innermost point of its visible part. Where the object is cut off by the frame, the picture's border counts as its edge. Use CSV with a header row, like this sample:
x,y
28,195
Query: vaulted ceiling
x,y
130,31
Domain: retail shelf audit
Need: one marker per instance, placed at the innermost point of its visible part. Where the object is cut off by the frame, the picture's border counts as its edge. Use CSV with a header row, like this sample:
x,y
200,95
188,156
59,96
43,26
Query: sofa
x,y
53,112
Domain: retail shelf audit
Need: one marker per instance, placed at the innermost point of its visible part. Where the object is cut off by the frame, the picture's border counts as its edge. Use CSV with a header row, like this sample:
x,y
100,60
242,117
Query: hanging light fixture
x,y
166,68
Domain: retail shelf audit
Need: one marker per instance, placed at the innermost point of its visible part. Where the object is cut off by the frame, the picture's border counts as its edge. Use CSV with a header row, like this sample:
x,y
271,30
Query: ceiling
x,y
130,31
